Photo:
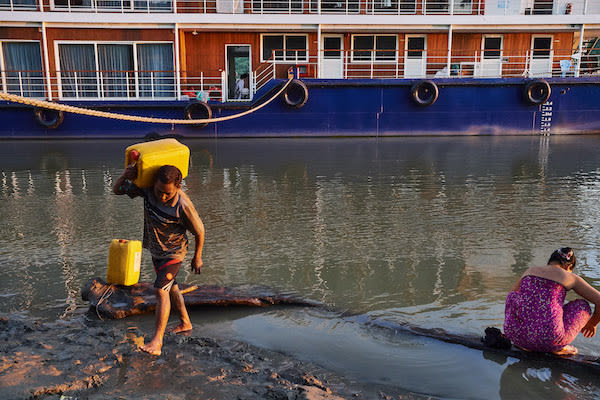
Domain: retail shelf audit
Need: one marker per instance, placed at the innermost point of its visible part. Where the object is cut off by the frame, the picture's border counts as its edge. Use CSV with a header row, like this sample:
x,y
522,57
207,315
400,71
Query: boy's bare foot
x,y
568,350
152,348
181,328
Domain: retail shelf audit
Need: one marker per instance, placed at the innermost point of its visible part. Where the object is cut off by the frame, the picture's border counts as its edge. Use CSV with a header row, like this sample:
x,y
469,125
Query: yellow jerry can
x,y
153,155
124,260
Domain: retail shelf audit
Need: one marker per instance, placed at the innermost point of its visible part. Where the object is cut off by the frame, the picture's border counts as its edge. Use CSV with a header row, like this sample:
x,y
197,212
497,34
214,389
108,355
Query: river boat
x,y
267,68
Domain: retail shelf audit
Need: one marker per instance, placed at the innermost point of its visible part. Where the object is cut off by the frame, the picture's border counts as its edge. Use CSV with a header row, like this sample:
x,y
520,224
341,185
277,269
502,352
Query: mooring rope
x,y
104,114
108,291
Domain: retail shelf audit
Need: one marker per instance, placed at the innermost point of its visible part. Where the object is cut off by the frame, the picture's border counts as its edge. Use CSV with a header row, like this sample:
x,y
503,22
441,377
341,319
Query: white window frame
x,y
373,51
3,67
492,36
284,60
95,43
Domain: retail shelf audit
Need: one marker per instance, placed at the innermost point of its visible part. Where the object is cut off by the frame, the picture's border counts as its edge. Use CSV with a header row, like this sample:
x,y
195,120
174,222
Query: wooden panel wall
x,y
20,33
205,52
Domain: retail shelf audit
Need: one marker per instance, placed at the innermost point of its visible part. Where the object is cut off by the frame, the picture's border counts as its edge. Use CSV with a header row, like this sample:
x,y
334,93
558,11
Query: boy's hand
x,y
197,264
130,172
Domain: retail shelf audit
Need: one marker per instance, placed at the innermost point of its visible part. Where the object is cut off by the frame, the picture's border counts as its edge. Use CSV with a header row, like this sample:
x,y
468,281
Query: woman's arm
x,y
585,290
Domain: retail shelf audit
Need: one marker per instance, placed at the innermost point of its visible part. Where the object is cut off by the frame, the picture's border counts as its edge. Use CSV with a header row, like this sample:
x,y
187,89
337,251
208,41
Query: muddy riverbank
x,y
90,359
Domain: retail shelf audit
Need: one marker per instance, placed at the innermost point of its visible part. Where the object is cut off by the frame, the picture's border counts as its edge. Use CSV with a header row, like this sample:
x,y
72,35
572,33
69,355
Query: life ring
x,y
49,119
296,94
537,91
424,93
198,110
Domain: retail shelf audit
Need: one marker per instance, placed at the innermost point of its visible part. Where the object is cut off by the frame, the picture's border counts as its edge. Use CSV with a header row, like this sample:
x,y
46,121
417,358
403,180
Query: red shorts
x,y
166,271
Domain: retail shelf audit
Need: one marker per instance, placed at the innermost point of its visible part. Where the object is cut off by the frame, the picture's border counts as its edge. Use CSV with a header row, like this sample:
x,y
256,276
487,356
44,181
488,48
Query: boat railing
x,y
263,74
330,64
346,7
422,63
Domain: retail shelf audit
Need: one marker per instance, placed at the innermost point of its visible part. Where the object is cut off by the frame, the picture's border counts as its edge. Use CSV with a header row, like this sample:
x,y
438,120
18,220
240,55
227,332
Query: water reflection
x,y
525,379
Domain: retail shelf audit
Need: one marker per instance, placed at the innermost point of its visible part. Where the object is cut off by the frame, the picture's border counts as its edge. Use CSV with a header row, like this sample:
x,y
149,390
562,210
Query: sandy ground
x,y
90,359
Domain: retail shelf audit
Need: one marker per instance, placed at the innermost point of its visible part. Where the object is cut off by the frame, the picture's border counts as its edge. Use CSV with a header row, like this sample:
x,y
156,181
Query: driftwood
x,y
475,342
117,301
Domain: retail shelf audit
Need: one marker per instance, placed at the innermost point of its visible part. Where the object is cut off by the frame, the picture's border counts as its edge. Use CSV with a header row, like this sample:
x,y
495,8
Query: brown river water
x,y
427,231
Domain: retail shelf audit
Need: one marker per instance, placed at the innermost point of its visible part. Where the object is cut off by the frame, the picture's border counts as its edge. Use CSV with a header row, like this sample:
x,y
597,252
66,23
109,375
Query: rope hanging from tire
x,y
104,114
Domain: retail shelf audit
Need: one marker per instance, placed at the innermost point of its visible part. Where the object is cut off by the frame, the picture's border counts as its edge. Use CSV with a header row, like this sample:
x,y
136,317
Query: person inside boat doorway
x,y
536,318
168,214
241,87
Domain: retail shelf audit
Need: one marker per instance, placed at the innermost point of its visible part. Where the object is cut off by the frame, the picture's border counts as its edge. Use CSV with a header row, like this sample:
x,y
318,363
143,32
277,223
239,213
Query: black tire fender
x,y
198,110
537,91
424,93
296,94
49,119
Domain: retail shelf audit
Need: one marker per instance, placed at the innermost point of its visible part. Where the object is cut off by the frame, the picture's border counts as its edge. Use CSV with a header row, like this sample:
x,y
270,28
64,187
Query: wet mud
x,y
92,359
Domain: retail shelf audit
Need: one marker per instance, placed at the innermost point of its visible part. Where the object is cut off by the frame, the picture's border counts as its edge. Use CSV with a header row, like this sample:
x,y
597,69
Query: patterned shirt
x,y
165,225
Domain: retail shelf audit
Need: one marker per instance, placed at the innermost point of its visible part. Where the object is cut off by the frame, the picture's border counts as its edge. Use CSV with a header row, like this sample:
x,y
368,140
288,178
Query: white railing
x,y
332,64
346,7
411,64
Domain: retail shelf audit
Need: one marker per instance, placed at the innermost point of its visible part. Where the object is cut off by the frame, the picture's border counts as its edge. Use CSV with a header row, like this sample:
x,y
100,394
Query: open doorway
x,y
238,66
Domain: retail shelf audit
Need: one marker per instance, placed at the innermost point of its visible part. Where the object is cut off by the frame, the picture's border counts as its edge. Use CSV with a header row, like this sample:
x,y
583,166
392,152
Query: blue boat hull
x,y
347,108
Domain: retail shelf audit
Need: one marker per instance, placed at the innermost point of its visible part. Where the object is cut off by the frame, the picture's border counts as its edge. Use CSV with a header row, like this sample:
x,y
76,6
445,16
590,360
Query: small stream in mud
x,y
429,231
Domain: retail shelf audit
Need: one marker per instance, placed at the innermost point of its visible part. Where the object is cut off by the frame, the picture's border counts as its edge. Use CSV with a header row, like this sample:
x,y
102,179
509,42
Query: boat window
x,y
374,47
22,66
108,70
73,4
542,47
492,47
295,47
272,46
284,47
386,47
332,47
362,48
18,4
415,47
78,70
259,6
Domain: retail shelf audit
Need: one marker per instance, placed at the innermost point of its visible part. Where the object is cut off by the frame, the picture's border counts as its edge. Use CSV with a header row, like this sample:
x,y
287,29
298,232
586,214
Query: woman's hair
x,y
564,256
168,174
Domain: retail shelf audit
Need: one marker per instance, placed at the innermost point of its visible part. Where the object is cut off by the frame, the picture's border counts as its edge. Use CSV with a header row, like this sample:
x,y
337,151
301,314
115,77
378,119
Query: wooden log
x,y
117,301
588,363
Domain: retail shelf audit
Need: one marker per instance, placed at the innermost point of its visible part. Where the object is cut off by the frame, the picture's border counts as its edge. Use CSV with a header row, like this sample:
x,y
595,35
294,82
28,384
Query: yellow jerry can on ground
x,y
153,155
124,261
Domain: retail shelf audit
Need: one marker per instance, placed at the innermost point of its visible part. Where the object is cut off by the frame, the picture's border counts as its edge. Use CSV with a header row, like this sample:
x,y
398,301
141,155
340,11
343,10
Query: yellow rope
x,y
95,113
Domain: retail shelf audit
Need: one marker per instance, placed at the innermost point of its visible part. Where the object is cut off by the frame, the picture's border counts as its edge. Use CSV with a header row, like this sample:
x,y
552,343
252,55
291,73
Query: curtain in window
x,y
116,69
78,70
23,68
155,70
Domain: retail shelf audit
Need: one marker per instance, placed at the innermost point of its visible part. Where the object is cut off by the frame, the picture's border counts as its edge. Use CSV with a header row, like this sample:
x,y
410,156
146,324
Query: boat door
x,y
415,56
332,57
237,72
490,64
540,61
